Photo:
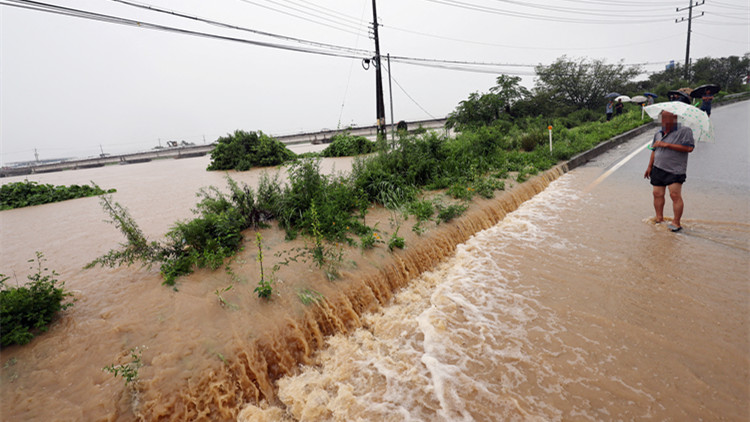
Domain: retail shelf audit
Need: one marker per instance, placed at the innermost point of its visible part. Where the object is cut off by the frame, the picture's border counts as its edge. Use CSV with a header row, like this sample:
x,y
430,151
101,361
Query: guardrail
x,y
188,151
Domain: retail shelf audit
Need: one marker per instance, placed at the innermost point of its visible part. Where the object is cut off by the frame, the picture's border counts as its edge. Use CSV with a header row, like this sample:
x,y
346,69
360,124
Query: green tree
x,y
483,109
725,71
582,82
508,90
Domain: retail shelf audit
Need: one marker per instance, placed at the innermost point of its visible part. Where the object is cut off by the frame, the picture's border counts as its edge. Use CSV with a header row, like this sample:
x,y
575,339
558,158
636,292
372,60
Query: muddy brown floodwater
x,y
562,301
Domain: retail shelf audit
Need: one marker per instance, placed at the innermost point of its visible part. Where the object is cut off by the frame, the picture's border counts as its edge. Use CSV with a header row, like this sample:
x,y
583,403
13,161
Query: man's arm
x,y
647,175
674,147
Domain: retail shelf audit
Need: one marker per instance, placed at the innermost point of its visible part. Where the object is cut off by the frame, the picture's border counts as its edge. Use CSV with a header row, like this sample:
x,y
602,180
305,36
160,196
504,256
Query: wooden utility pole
x,y
689,29
380,104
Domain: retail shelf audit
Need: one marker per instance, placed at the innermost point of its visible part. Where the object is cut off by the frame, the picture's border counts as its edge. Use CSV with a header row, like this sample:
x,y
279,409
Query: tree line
x,y
569,85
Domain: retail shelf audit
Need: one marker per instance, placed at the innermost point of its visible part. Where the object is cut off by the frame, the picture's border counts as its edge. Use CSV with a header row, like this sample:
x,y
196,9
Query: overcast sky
x,y
72,87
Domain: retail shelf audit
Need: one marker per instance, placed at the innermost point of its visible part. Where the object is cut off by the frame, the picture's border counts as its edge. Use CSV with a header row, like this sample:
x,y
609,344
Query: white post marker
x,y
642,107
549,128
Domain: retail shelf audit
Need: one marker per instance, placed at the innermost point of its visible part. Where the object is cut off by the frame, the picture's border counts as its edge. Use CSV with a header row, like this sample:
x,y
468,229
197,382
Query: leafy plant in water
x,y
395,241
28,310
346,144
487,186
244,150
368,240
128,371
448,212
137,248
264,289
219,295
461,191
422,209
28,193
309,296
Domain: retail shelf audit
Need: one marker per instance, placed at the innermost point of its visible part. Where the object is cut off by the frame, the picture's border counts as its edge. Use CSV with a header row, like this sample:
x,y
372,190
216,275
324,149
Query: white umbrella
x,y
624,98
687,115
638,99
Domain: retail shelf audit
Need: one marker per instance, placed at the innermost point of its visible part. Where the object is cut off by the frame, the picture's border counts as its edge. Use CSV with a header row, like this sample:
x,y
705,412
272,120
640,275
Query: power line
x,y
239,28
55,9
303,18
516,46
720,39
485,9
584,11
329,12
409,96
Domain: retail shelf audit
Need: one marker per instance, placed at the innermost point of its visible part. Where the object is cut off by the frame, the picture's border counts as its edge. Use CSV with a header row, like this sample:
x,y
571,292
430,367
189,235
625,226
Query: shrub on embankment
x,y
397,176
26,193
27,310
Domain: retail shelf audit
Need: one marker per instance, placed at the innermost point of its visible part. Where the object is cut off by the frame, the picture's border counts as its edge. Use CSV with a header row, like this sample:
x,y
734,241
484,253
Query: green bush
x,y
27,310
345,145
447,213
422,209
462,191
244,150
26,193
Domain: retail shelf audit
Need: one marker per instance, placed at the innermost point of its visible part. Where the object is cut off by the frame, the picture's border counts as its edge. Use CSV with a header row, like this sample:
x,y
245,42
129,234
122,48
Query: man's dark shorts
x,y
660,177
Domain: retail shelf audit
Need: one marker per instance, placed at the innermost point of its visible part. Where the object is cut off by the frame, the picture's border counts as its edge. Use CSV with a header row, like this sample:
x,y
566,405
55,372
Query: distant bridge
x,y
319,137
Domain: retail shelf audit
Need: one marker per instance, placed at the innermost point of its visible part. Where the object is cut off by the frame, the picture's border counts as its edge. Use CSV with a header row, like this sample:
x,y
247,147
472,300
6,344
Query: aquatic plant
x,y
28,193
346,145
264,289
244,150
26,311
128,371
309,296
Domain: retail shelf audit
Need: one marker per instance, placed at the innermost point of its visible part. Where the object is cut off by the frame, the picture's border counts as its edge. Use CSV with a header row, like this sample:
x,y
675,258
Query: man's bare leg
x,y
675,193
659,201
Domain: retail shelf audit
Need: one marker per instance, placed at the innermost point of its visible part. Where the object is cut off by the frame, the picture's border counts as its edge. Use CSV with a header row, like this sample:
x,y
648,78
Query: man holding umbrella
x,y
667,166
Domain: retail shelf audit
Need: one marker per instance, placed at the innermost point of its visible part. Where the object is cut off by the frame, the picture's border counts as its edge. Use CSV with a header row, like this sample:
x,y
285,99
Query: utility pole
x,y
689,21
380,104
390,93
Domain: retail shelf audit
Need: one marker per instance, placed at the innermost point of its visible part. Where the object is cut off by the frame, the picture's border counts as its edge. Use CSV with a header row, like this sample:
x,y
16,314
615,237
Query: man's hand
x,y
647,175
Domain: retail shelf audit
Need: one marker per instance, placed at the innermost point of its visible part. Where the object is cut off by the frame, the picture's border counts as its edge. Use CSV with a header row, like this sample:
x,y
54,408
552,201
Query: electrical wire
x,y
720,39
586,11
610,47
329,12
300,17
409,96
239,28
729,6
485,9
55,9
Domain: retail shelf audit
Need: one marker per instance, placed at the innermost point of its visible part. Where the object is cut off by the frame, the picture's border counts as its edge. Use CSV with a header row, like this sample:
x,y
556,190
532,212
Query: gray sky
x,y
71,87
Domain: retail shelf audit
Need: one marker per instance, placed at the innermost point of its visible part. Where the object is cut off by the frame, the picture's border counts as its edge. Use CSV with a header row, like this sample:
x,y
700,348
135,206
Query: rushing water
x,y
573,307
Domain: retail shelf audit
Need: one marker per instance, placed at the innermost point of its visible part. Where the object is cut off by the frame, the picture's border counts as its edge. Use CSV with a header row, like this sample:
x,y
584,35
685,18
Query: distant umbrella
x,y
612,95
678,96
623,98
639,99
698,92
650,94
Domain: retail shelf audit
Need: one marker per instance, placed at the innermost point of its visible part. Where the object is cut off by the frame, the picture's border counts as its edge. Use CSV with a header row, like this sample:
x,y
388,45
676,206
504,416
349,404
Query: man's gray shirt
x,y
670,160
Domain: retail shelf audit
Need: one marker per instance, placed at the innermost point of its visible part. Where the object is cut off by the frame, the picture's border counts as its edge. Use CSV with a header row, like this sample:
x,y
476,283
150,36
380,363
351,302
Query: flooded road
x,y
574,307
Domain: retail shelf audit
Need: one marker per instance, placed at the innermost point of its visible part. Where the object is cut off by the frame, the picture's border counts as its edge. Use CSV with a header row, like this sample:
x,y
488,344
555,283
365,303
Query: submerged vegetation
x,y
244,150
27,310
332,209
26,193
